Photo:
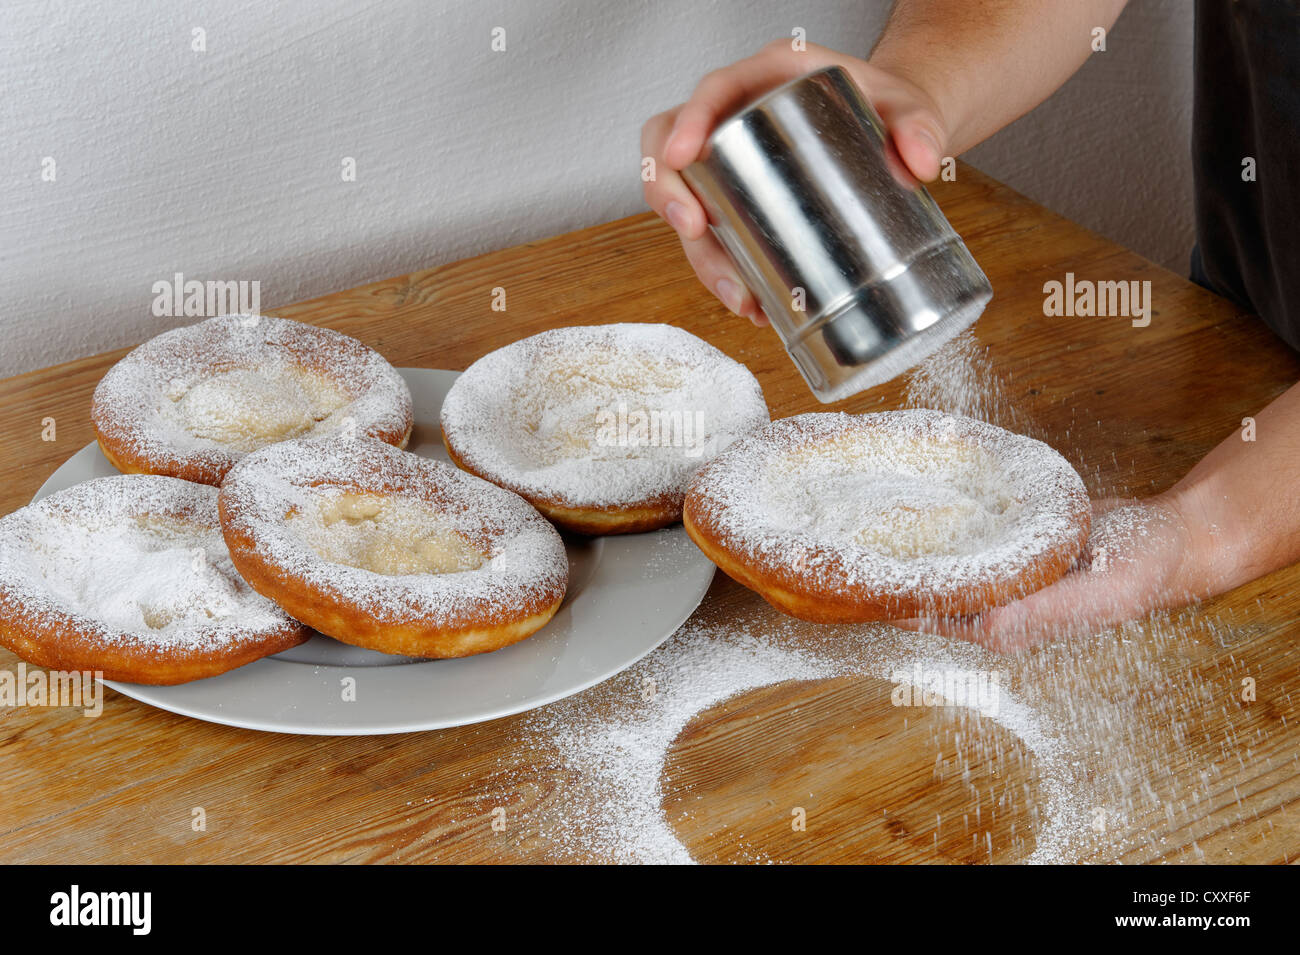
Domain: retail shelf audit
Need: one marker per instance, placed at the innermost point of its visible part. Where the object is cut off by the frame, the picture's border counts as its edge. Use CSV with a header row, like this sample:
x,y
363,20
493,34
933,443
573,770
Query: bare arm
x,y
985,63
1244,500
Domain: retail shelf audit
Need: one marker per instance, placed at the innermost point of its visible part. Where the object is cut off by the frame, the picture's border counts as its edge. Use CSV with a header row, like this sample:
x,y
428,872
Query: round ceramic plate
x,y
627,594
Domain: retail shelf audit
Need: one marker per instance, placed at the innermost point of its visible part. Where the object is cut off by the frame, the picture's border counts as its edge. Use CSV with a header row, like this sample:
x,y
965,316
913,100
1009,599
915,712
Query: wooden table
x,y
1176,766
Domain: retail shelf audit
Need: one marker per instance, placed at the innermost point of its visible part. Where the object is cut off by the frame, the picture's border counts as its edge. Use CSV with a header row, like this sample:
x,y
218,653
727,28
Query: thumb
x,y
920,142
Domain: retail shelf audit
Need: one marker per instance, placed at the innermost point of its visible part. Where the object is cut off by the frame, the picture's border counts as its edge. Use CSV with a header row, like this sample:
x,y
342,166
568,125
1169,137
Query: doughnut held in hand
x,y
600,427
386,550
193,401
839,518
129,575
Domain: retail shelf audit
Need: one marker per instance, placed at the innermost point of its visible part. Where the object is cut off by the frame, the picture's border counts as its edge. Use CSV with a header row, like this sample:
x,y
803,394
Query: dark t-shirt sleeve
x,y
1247,107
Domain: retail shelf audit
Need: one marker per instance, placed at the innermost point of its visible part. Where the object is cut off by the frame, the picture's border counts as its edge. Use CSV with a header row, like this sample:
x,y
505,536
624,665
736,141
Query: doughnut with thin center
x,y
191,402
129,575
839,518
390,551
600,427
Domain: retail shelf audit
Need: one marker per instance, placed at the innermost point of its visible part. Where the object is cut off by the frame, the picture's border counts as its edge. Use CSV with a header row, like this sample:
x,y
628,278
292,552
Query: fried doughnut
x,y
839,518
193,401
129,575
387,550
600,427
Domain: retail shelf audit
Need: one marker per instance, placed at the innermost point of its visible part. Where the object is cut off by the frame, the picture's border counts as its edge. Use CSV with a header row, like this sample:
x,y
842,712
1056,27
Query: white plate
x,y
627,594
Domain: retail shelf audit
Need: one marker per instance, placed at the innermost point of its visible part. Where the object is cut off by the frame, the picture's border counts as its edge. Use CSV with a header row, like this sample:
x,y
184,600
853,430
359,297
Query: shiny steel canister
x,y
861,274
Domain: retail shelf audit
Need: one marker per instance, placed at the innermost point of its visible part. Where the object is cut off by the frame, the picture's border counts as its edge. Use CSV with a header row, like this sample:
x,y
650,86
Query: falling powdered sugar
x,y
959,379
1113,717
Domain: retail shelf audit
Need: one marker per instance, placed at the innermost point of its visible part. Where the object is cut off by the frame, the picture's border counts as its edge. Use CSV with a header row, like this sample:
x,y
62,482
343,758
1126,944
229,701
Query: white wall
x,y
226,164
1112,149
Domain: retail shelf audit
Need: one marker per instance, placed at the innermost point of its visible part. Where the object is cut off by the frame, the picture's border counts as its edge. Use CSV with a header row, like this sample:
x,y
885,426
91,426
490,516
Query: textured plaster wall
x,y
226,164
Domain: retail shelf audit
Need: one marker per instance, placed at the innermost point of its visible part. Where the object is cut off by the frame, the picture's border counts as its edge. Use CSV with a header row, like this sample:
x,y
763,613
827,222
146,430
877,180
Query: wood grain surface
x,y
1166,760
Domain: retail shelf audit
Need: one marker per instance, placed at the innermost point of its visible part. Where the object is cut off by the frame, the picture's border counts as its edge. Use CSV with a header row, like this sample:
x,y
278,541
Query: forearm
x,y
985,63
1242,502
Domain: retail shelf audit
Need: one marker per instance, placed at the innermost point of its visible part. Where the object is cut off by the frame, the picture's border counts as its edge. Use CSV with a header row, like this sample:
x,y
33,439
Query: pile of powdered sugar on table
x,y
615,741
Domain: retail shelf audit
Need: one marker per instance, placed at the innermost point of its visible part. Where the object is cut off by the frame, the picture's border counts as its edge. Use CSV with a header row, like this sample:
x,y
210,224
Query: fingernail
x,y
730,294
677,216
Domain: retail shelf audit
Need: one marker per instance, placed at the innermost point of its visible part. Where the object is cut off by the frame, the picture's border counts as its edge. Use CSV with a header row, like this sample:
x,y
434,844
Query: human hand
x,y
1138,559
675,138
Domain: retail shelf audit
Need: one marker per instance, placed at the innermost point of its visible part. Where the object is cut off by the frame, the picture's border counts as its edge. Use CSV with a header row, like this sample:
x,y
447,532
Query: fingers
x,y
1080,602
913,123
724,91
919,147
666,192
675,139
669,196
1047,613
1094,595
714,269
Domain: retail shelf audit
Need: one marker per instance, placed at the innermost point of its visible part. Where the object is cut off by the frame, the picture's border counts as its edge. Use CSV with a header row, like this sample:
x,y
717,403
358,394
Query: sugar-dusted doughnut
x,y
601,427
384,549
840,518
194,400
129,575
